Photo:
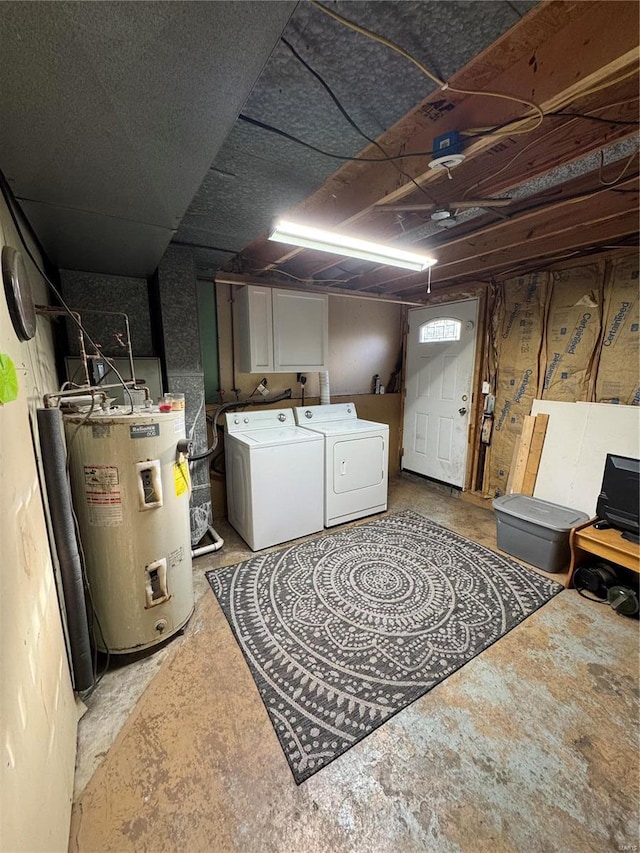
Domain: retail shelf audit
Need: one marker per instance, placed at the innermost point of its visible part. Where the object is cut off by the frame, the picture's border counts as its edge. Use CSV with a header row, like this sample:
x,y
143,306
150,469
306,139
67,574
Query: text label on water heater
x,y
144,430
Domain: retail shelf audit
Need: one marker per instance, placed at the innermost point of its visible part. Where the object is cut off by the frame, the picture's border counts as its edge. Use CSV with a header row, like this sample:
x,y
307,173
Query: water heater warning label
x,y
102,492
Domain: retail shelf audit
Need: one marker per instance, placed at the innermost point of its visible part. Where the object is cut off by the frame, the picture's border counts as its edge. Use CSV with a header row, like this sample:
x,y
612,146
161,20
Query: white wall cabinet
x,y
281,331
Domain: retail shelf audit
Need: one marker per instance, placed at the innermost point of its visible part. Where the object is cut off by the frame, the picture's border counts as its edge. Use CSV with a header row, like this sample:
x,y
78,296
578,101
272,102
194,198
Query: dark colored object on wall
x,y
17,286
60,507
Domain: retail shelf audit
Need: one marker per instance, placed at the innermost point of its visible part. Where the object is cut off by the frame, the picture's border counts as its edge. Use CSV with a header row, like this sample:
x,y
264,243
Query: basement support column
x,y
178,304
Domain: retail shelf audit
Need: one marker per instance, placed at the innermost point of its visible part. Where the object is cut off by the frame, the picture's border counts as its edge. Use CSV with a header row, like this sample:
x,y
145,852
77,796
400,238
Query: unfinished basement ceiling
x,y
113,112
122,130
258,175
572,175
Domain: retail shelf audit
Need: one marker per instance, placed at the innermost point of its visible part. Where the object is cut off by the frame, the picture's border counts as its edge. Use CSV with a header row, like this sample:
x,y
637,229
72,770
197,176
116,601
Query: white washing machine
x,y
274,477
356,454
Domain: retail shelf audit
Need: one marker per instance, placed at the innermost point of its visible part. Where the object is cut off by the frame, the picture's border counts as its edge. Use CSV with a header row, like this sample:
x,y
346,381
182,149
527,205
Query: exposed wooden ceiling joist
x,y
560,55
576,221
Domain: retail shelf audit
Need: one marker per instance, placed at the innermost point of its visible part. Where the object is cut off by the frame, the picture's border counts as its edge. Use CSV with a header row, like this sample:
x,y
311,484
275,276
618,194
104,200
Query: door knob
x,y
462,410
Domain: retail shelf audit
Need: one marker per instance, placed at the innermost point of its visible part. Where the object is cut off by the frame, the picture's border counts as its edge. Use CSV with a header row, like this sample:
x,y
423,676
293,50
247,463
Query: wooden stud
x,y
535,454
512,467
517,475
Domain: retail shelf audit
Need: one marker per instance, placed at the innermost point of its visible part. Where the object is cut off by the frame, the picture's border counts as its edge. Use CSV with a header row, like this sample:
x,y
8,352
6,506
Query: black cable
x,y
203,246
6,192
556,114
235,404
289,136
580,591
594,118
271,129
346,115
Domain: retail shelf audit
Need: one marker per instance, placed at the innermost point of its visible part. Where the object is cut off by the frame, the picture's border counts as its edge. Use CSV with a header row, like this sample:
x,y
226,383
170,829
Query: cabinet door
x,y
300,330
255,329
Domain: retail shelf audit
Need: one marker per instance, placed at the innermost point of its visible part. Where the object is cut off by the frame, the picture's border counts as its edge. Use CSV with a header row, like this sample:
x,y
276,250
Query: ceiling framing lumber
x,y
586,220
559,53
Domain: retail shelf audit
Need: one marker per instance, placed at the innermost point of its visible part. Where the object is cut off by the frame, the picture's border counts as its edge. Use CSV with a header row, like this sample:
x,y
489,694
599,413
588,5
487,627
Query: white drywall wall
x,y
579,436
38,716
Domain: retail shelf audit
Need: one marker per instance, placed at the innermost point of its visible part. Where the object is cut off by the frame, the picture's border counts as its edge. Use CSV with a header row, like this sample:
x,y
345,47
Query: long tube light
x,y
351,247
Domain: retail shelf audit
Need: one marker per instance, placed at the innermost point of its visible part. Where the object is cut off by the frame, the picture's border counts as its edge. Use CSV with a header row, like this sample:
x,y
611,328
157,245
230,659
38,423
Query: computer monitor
x,y
619,499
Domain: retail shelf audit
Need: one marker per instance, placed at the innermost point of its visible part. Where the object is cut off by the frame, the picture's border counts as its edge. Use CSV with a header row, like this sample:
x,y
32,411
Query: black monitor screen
x,y
619,500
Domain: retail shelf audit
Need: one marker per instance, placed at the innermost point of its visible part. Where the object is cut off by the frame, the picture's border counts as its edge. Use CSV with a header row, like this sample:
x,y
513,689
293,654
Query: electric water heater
x,y
131,490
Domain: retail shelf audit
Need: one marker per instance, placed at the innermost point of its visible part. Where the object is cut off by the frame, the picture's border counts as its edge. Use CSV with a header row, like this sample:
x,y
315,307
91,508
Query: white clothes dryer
x,y
274,477
356,454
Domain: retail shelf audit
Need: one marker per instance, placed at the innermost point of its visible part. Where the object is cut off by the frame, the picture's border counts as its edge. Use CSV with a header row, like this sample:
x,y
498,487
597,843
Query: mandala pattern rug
x,y
343,631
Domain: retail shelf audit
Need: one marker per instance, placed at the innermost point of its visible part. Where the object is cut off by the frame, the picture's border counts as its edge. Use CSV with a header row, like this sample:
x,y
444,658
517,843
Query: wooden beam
x,y
572,237
495,242
517,475
502,169
535,453
556,54
271,281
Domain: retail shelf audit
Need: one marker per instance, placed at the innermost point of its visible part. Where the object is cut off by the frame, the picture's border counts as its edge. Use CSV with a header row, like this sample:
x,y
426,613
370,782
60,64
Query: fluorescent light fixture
x,y
351,247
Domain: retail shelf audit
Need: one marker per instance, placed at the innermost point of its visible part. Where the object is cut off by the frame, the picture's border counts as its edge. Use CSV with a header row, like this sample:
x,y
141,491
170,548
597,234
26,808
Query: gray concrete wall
x,y
85,292
177,300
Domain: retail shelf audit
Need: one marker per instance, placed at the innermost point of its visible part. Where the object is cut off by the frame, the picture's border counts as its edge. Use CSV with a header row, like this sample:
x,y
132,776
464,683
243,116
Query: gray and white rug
x,y
343,631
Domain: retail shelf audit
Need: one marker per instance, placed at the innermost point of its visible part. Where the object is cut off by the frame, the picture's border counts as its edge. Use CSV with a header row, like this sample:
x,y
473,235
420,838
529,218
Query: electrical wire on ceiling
x,y
272,129
392,157
564,114
351,121
493,131
587,251
538,114
507,165
305,280
615,180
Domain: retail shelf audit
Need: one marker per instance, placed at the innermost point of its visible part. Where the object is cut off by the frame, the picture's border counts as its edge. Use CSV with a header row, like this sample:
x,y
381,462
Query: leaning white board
x,y
578,438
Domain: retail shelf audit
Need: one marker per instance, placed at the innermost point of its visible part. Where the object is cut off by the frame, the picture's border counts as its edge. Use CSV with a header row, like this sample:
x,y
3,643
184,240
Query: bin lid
x,y
544,513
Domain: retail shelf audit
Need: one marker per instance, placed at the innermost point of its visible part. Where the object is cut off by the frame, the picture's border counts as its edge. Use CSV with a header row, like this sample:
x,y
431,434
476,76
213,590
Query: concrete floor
x,y
532,746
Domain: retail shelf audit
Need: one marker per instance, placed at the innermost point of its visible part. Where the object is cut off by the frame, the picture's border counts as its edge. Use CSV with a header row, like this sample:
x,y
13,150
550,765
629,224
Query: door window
x,y
439,330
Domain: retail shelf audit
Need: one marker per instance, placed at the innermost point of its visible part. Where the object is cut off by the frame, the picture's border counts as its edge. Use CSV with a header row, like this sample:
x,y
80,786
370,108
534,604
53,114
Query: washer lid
x,y
248,421
277,436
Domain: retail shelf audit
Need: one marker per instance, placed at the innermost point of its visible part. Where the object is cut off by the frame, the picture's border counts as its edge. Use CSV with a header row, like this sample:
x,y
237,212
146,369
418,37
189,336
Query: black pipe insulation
x,y
59,494
237,404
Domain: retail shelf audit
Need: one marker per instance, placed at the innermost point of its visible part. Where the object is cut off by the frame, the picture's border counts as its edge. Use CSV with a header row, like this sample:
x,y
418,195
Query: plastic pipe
x,y
217,543
54,462
324,388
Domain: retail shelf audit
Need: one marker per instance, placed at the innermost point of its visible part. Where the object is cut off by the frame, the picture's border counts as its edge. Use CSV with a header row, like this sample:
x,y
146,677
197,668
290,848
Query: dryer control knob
x,y
308,413
236,420
246,420
282,416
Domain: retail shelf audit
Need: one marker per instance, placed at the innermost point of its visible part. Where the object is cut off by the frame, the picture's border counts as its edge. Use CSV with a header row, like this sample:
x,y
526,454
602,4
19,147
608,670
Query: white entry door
x,y
440,359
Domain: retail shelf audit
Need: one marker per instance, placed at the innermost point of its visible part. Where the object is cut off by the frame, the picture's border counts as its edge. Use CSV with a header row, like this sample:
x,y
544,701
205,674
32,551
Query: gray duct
x,y
59,493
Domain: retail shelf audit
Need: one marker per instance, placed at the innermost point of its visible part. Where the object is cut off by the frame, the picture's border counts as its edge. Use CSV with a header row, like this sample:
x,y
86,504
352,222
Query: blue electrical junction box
x,y
447,143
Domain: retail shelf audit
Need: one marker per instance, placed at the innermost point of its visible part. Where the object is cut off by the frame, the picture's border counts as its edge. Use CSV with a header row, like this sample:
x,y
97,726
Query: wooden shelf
x,y
587,542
